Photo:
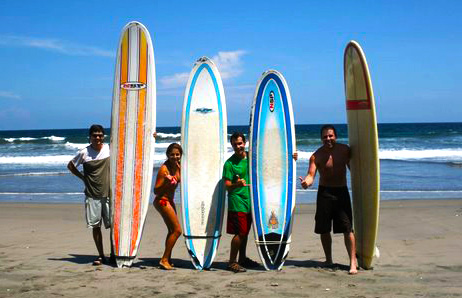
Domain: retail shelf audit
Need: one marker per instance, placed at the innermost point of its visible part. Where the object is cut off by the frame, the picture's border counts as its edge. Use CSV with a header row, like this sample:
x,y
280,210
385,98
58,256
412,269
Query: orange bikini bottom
x,y
163,201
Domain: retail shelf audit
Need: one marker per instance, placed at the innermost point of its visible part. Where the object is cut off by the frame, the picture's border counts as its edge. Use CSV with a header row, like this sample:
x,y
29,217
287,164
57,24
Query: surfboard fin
x,y
376,252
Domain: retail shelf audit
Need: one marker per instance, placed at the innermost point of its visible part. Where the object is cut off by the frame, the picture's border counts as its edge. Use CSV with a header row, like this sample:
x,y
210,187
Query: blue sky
x,y
57,58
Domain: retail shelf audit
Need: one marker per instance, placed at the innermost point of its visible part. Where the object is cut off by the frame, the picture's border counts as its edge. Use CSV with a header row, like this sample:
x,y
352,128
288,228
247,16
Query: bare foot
x,y
165,265
353,271
353,268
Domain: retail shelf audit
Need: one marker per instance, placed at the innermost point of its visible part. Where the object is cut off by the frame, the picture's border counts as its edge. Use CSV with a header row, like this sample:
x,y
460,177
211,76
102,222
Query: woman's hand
x,y
171,179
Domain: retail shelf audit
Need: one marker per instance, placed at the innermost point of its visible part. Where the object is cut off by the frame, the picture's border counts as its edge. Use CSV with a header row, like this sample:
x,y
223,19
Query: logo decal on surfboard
x,y
204,110
273,222
133,86
271,101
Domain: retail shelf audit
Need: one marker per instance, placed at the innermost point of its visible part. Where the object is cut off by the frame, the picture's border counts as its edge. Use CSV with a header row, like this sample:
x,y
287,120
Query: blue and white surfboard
x,y
203,137
272,177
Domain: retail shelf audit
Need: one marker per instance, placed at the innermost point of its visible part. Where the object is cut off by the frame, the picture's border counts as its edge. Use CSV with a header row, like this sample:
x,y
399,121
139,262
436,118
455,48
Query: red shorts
x,y
239,223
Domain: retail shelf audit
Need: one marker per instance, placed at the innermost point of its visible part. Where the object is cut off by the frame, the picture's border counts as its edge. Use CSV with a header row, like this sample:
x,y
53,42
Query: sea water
x,y
417,161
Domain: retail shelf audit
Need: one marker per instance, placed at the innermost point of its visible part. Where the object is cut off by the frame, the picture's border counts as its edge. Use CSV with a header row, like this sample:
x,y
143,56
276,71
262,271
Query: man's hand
x,y
240,182
295,156
307,182
75,171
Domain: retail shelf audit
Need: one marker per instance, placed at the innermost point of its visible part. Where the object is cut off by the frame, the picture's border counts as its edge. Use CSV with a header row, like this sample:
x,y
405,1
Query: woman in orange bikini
x,y
168,177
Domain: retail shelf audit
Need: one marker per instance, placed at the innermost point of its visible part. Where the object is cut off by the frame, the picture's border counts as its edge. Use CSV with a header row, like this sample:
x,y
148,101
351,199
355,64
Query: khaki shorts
x,y
97,210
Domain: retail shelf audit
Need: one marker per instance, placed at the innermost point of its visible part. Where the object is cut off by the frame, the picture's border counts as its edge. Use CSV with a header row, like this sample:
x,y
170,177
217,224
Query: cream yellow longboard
x,y
364,163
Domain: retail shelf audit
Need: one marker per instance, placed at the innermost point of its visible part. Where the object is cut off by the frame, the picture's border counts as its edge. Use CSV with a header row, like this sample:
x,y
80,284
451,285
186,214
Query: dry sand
x,y
47,251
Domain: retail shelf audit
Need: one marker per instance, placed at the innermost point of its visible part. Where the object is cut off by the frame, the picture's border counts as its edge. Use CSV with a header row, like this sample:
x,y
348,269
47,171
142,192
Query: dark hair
x,y
235,136
95,128
328,126
173,146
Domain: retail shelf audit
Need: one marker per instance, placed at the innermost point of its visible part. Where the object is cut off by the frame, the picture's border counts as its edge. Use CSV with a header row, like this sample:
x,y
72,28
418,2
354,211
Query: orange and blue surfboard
x,y
133,122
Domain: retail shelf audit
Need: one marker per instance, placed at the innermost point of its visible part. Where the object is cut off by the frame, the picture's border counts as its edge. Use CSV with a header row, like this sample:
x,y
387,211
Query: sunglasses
x,y
97,135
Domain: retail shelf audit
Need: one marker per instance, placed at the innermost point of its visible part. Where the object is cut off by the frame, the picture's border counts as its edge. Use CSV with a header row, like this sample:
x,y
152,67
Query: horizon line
x,y
108,127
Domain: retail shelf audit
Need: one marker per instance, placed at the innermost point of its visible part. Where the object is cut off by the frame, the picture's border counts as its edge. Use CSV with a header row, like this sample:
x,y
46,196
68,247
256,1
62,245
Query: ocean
x,y
417,161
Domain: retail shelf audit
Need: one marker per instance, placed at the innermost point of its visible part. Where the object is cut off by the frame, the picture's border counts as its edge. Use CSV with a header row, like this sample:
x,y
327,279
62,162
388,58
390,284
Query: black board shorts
x,y
333,205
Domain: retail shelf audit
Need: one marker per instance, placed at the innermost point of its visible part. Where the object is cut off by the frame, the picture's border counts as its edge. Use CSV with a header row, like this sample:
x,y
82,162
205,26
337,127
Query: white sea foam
x,y
427,154
27,139
441,155
75,145
168,135
54,138
79,146
304,155
163,145
47,159
35,174
436,155
52,160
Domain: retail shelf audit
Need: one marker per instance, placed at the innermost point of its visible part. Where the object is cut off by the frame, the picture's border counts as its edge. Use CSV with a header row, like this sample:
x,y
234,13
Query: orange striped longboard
x,y
133,122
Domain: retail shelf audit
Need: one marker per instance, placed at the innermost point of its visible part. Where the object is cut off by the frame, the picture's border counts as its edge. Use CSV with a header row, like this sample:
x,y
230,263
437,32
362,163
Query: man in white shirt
x,y
95,162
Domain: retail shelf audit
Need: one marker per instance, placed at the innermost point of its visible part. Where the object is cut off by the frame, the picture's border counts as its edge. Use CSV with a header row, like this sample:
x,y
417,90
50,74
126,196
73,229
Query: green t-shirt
x,y
238,198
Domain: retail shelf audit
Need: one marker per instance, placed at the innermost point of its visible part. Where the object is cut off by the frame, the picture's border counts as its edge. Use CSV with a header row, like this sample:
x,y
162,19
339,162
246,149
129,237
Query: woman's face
x,y
174,156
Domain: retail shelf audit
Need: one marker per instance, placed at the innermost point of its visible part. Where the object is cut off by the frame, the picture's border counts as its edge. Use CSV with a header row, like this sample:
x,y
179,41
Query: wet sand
x,y
46,251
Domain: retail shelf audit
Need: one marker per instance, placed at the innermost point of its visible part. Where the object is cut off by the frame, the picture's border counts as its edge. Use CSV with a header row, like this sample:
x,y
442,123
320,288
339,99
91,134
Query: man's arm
x,y
71,167
309,179
230,185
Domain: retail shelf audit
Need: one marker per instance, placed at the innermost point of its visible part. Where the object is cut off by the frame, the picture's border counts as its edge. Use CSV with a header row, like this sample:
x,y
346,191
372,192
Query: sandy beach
x,y
46,250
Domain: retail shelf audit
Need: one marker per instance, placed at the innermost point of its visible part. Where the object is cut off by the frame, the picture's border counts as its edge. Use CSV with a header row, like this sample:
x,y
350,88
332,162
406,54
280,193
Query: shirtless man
x,y
333,200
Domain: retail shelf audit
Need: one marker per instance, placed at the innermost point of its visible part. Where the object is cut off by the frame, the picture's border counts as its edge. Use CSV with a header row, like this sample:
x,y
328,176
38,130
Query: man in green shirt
x,y
236,175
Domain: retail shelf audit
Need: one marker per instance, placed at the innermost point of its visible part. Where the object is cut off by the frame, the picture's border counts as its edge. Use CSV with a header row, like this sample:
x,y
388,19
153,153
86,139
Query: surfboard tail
x,y
124,261
202,250
273,249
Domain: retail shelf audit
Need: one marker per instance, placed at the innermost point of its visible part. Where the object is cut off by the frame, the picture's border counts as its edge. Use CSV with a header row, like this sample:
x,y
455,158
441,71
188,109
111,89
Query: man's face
x,y
238,145
96,138
328,138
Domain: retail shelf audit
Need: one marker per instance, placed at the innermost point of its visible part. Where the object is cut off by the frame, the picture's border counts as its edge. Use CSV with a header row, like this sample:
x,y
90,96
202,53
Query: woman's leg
x,y
174,231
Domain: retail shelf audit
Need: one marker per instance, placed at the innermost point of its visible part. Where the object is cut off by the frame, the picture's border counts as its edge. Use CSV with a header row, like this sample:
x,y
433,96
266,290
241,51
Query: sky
x,y
57,58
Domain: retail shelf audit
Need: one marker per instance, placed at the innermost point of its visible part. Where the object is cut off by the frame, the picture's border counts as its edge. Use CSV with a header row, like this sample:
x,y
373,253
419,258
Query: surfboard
x,y
133,121
364,163
203,137
272,177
